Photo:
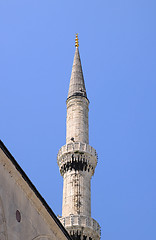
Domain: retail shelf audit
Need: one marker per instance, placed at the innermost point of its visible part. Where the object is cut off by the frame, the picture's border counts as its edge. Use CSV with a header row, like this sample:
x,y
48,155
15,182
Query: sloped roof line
x,y
33,188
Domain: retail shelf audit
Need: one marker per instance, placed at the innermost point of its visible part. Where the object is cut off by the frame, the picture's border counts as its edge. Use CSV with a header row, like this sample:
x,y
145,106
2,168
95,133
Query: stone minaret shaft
x,y
77,160
77,105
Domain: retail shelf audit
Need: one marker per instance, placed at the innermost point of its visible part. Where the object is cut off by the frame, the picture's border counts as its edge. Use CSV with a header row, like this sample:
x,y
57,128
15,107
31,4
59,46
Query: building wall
x,y
20,217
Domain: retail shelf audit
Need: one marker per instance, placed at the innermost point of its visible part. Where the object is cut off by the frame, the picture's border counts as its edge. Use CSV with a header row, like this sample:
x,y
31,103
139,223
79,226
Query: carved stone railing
x,y
77,156
81,221
77,146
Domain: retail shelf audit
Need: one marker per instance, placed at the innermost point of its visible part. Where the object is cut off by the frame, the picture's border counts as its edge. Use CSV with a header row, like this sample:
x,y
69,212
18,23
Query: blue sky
x,y
118,54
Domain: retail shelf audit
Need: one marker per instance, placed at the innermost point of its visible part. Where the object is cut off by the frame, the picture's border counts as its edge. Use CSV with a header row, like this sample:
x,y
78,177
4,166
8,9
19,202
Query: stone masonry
x,y
77,161
24,214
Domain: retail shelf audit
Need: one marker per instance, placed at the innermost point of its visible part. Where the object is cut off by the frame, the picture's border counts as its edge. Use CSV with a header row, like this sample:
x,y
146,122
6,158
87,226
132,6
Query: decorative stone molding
x,y
78,156
77,223
77,146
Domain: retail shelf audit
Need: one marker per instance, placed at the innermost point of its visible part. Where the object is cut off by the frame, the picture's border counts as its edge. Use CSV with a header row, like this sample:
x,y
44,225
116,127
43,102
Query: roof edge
x,y
33,188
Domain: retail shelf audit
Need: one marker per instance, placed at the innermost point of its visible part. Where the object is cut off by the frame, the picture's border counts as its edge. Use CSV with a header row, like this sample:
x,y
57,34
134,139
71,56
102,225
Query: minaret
x,y
77,160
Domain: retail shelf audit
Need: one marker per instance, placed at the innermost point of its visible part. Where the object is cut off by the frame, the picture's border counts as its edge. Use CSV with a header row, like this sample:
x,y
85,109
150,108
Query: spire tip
x,y
76,41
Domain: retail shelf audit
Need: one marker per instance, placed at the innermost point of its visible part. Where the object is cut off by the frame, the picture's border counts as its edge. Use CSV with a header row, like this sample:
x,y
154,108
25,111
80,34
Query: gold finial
x,y
76,41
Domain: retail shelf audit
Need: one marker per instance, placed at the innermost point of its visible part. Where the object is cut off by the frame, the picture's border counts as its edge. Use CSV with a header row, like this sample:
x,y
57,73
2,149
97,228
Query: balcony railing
x,y
81,221
77,146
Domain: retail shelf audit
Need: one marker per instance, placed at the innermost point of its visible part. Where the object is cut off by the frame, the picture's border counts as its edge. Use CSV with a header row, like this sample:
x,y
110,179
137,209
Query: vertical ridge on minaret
x,y
77,161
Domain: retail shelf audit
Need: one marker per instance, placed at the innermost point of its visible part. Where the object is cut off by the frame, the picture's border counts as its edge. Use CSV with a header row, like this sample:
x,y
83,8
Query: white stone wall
x,y
76,193
15,194
77,120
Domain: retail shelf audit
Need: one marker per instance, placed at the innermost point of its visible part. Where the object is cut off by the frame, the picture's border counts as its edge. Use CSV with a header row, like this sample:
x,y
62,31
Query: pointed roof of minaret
x,y
77,85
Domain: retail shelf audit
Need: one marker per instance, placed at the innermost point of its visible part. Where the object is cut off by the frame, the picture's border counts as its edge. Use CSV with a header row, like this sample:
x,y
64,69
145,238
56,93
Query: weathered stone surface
x,y
86,226
76,194
77,161
77,85
22,214
77,120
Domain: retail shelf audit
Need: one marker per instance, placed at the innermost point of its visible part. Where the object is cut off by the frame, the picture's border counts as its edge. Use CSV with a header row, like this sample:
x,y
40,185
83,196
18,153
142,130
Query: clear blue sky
x,y
118,54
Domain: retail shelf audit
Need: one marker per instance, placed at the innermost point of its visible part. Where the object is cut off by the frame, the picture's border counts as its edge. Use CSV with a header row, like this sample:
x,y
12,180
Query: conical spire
x,y
77,85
